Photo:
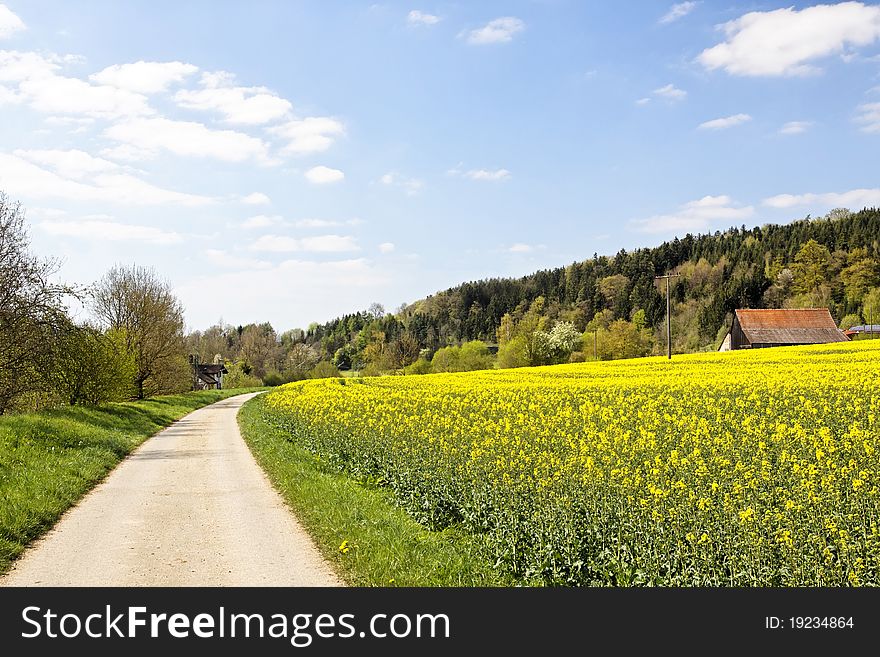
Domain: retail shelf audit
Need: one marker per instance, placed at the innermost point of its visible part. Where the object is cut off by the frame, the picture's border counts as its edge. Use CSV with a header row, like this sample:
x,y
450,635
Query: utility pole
x,y
668,314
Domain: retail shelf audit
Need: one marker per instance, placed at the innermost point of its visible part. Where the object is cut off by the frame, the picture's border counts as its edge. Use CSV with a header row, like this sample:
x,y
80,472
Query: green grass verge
x,y
383,545
50,459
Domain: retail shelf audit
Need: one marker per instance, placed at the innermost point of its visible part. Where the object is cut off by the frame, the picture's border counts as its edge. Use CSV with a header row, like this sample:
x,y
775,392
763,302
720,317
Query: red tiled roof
x,y
789,326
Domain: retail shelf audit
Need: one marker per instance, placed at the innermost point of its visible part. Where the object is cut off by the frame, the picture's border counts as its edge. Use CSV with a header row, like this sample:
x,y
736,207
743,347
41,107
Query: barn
x,y
753,328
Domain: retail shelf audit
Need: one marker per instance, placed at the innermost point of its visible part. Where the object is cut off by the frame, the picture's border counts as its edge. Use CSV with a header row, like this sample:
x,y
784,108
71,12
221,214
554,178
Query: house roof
x,y
789,326
212,369
865,328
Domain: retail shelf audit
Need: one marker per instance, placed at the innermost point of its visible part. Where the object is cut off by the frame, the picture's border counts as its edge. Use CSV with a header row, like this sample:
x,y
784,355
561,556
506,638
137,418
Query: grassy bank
x,y
356,525
48,460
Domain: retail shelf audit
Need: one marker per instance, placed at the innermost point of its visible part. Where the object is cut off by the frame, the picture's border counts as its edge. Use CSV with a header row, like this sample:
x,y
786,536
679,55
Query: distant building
x,y
754,329
207,376
863,329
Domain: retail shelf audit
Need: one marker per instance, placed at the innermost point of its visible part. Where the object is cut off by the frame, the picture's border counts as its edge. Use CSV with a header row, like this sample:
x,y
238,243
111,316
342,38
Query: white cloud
x,y
80,122
321,175
334,288
150,136
643,101
386,247
869,117
312,134
22,178
500,30
486,174
110,231
262,221
725,122
144,77
519,247
856,198
678,10
788,41
9,23
226,260
74,164
256,198
412,186
416,17
55,94
8,96
795,127
670,92
319,244
16,66
245,105
696,216
40,86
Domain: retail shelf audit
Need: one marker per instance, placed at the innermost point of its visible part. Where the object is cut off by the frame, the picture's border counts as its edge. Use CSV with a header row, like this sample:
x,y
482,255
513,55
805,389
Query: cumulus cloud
x,y
243,105
789,41
678,10
386,247
318,244
795,127
321,175
256,198
697,215
416,17
23,178
312,134
43,89
144,77
868,116
99,229
520,247
725,122
855,198
10,23
148,137
500,30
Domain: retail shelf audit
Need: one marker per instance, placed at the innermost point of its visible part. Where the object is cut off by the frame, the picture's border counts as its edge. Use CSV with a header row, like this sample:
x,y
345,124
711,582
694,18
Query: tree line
x,y
135,343
612,307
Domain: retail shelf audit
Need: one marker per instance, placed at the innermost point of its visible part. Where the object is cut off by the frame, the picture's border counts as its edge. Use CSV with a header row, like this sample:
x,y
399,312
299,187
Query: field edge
x,y
357,527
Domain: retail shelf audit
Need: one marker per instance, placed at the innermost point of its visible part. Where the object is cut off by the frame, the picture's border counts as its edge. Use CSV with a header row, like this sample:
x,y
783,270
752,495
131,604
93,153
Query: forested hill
x,y
830,261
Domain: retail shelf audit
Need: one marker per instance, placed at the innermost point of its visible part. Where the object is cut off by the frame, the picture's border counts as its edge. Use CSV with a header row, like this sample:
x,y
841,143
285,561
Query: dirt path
x,y
190,507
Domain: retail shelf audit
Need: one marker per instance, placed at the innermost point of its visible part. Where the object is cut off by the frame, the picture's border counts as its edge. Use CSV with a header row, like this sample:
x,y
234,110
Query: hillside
x,y
830,261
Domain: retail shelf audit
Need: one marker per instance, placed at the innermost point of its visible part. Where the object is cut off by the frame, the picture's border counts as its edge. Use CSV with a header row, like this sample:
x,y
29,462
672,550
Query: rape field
x,y
738,469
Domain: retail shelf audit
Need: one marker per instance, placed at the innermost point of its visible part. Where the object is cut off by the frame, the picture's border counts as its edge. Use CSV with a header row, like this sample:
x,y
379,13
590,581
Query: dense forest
x,y
831,261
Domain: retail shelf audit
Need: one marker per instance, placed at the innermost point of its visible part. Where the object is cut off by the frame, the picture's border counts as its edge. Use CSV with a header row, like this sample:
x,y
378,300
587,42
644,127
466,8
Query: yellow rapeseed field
x,y
754,468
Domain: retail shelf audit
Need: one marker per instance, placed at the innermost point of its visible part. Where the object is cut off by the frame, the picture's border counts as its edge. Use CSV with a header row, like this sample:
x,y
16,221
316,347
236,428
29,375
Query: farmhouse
x,y
753,329
207,376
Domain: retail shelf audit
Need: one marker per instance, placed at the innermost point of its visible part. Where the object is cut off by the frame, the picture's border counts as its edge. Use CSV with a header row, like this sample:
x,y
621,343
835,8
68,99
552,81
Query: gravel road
x,y
190,507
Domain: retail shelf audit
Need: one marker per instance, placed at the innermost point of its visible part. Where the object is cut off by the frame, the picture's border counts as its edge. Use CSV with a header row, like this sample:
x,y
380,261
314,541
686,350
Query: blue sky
x,y
290,162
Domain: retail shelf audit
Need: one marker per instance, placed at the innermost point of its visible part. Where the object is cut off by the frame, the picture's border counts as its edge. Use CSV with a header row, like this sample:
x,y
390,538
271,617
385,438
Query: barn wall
x,y
737,337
